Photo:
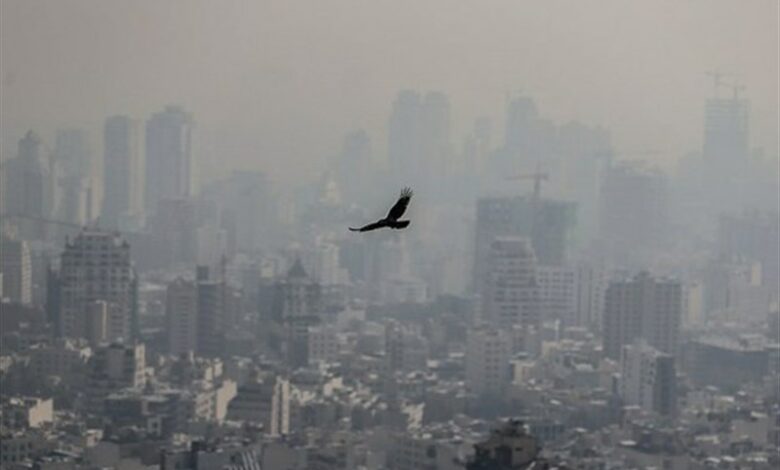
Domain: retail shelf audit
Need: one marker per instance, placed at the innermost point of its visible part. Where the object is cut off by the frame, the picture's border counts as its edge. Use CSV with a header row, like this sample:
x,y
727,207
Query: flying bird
x,y
391,220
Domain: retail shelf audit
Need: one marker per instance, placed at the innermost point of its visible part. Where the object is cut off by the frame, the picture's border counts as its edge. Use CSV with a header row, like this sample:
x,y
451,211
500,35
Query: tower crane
x,y
538,176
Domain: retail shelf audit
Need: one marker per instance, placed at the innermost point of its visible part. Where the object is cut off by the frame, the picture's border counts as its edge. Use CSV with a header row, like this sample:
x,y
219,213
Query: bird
x,y
391,220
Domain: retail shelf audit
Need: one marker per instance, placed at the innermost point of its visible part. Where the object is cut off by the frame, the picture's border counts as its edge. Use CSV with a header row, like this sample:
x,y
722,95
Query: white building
x,y
510,289
27,412
488,355
324,344
558,293
648,378
592,282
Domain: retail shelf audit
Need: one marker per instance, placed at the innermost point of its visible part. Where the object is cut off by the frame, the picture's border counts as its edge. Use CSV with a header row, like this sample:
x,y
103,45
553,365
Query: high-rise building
x,y
355,166
648,378
168,156
291,305
97,322
726,131
418,137
122,172
510,290
196,315
212,319
28,188
488,352
642,307
96,266
181,313
173,229
16,269
436,132
548,224
73,158
558,294
403,136
752,236
247,210
634,219
592,282
528,138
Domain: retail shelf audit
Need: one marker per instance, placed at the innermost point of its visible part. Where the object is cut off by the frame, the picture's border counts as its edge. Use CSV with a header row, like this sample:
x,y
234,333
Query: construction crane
x,y
717,78
538,176
41,219
93,225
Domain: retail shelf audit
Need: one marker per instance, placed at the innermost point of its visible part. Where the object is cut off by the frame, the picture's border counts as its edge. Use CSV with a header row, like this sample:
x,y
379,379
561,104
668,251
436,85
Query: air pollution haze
x,y
389,235
276,84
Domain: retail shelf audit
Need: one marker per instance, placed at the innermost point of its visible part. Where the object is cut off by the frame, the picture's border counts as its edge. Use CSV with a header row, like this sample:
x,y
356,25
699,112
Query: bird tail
x,y
398,224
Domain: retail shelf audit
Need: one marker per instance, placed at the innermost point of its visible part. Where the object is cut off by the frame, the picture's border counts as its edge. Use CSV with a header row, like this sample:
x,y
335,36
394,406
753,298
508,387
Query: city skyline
x,y
580,274
295,123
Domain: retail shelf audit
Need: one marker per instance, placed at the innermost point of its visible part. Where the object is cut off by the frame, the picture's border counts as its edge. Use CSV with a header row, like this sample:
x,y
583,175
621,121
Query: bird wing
x,y
369,227
400,206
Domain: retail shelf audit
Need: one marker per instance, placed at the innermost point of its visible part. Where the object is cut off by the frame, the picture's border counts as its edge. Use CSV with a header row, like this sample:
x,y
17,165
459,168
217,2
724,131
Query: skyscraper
x,y
16,269
634,212
642,307
435,133
510,291
212,319
122,171
355,166
726,132
528,138
72,155
181,314
558,294
96,266
168,156
403,136
418,137
28,187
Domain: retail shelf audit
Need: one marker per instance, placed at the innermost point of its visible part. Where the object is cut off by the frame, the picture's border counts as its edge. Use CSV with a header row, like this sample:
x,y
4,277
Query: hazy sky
x,y
281,81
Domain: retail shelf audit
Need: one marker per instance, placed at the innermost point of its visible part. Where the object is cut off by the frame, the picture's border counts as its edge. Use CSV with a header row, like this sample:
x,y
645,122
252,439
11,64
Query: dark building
x,y
287,308
510,447
642,307
168,156
729,363
96,266
212,323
